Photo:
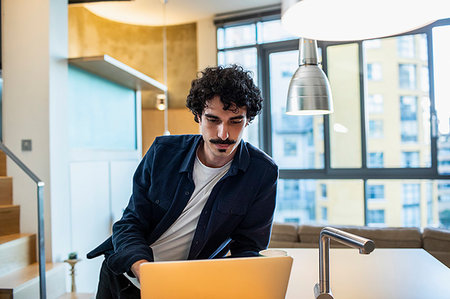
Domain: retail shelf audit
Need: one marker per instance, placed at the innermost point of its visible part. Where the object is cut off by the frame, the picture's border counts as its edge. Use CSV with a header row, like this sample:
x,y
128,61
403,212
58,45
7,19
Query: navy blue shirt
x,y
237,215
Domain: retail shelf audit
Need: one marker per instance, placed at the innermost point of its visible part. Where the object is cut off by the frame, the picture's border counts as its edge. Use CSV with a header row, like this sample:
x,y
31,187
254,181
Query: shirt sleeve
x,y
253,233
129,233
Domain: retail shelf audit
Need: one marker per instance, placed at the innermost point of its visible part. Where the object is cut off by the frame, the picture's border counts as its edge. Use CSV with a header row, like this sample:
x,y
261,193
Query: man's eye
x,y
236,121
213,120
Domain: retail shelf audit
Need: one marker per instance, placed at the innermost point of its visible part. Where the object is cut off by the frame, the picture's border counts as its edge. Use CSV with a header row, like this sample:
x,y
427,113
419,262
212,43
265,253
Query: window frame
x,y
364,172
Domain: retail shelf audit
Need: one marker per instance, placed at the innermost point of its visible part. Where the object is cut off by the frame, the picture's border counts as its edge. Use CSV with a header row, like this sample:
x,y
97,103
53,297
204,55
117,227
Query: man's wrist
x,y
135,268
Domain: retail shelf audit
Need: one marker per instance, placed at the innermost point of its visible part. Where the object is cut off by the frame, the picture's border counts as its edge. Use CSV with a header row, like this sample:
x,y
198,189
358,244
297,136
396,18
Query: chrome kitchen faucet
x,y
322,289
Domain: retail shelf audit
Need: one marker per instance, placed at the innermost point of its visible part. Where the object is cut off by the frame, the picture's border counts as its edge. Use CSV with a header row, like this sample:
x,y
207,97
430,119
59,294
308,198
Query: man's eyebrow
x,y
211,116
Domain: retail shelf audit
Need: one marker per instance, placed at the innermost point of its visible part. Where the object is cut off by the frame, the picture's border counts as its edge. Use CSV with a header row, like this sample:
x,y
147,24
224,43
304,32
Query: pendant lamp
x,y
309,90
345,20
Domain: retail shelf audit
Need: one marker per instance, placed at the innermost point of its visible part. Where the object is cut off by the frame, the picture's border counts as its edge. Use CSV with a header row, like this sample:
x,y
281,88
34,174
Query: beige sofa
x,y
435,241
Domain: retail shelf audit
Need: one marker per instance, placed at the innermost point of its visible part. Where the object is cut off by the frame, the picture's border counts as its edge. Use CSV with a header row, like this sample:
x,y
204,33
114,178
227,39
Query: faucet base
x,y
319,295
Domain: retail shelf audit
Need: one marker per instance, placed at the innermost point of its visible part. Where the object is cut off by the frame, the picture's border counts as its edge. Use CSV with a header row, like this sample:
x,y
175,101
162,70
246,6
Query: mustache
x,y
220,141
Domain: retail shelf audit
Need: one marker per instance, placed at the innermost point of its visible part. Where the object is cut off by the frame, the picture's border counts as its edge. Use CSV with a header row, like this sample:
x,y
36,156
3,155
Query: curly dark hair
x,y
232,84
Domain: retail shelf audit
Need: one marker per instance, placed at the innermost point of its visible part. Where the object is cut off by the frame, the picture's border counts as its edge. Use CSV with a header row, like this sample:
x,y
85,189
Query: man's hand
x,y
135,268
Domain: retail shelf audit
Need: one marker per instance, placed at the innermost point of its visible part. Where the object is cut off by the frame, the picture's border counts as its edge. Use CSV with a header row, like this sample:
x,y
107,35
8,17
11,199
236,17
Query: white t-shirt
x,y
175,242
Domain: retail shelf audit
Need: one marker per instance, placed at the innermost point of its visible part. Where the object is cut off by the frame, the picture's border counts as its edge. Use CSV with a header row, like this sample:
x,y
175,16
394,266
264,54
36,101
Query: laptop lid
x,y
237,278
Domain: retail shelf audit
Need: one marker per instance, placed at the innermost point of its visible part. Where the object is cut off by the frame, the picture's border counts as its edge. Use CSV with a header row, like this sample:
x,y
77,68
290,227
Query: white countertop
x,y
383,274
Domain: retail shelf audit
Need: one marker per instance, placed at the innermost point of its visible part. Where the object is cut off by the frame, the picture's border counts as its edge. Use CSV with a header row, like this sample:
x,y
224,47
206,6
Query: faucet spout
x,y
365,246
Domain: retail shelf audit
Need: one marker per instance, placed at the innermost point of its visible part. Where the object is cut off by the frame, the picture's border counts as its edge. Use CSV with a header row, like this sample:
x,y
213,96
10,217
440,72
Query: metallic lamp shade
x,y
309,92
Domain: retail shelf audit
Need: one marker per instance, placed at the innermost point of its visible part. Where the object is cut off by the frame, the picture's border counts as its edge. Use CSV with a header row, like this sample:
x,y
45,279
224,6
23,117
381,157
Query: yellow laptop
x,y
229,278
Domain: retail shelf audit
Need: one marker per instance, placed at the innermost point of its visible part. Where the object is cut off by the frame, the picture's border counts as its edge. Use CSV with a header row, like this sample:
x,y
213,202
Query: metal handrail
x,y
40,211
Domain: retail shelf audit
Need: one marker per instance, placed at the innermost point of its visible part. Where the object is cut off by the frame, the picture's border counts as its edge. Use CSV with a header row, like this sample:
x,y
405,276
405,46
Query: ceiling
x,y
151,12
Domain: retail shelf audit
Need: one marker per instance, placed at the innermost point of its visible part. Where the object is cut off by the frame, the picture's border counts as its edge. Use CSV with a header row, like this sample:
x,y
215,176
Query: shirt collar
x,y
241,159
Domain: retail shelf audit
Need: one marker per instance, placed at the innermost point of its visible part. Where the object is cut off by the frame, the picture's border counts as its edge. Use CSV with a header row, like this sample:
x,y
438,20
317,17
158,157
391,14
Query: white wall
x,y
34,40
206,43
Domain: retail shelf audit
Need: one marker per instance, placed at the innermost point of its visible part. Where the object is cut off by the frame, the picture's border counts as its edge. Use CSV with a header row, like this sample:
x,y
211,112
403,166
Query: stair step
x,y
16,251
2,164
6,190
9,219
24,283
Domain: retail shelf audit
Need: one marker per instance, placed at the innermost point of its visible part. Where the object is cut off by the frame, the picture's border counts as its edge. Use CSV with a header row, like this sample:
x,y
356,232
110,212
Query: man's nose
x,y
222,132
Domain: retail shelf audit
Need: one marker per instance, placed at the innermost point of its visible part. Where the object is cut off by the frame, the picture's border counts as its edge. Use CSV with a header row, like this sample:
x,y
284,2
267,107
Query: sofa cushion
x,y
386,237
284,232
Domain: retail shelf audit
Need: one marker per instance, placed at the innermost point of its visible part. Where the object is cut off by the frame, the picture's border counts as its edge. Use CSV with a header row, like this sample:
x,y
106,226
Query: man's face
x,y
221,130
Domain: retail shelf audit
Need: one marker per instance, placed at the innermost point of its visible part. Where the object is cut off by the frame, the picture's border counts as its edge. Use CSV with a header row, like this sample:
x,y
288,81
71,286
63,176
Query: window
x,y
376,128
323,190
410,159
374,71
384,102
375,218
409,131
406,46
408,108
375,192
407,76
376,160
411,205
324,214
290,147
375,104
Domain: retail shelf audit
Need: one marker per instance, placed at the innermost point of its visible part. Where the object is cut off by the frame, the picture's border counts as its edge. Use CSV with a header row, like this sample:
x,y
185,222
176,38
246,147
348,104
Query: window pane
x,y
272,31
398,107
296,140
247,58
236,36
441,48
345,128
303,201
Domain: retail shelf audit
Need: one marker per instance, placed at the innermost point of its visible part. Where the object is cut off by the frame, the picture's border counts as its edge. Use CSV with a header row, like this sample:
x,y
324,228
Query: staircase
x,y
19,270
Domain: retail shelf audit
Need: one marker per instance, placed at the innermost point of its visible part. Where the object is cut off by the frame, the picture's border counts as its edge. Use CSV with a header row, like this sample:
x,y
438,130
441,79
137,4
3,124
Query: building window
x,y
375,218
410,159
376,160
408,108
376,128
374,71
409,131
407,76
375,192
411,205
324,214
375,104
323,191
405,46
290,147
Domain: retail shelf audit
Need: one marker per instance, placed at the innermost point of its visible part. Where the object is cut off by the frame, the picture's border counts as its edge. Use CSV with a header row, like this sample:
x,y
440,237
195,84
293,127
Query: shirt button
x,y
206,212
157,201
186,193
196,242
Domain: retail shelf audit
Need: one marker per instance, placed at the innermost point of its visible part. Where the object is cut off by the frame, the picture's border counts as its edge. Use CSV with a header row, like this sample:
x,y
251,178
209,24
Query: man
x,y
196,196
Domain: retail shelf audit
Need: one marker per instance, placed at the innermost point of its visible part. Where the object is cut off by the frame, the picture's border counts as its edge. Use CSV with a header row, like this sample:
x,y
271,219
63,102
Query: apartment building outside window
x,y
379,138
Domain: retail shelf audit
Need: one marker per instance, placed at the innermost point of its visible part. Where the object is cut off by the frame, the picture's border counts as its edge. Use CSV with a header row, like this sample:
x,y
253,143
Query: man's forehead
x,y
216,104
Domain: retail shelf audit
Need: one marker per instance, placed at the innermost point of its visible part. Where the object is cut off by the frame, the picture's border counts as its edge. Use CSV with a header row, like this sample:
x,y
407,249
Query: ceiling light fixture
x,y
309,90
344,20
